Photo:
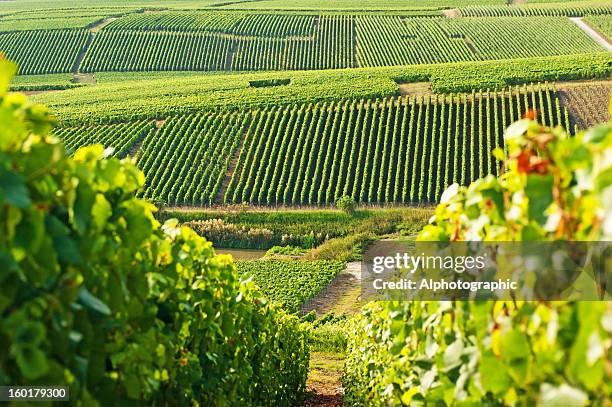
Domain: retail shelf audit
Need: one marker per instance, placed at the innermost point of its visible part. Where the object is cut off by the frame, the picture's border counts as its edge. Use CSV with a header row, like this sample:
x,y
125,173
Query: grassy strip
x,y
303,228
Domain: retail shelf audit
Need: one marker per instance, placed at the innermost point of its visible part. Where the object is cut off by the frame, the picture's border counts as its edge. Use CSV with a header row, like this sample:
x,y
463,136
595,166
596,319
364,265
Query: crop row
x,y
44,51
281,42
603,24
392,40
393,151
186,160
264,47
264,25
291,283
121,136
551,10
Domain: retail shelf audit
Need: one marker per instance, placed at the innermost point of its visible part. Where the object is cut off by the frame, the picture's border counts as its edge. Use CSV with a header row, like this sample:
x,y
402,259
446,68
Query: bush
x,y
501,353
346,204
233,236
97,295
285,251
344,249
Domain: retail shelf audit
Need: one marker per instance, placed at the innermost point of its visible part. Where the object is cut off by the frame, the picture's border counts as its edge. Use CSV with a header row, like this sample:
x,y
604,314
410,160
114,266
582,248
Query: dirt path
x,y
597,37
101,24
232,167
452,13
324,380
343,295
81,56
93,30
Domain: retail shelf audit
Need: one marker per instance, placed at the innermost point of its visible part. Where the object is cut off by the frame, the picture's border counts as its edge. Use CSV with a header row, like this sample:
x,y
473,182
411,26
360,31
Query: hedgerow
x,y
95,294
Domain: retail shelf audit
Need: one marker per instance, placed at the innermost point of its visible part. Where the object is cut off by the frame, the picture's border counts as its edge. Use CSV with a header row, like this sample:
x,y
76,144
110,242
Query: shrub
x,y
500,353
344,249
286,251
265,83
346,204
229,235
97,295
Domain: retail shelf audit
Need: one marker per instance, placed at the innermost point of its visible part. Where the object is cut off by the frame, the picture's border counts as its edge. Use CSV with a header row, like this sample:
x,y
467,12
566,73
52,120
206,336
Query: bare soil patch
x,y
452,13
415,89
343,295
84,78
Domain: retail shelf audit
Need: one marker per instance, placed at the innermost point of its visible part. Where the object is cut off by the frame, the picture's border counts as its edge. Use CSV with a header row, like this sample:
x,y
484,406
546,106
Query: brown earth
x,y
587,102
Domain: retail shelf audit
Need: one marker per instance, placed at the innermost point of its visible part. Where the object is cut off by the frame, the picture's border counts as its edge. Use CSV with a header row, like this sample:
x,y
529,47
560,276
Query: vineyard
x,y
379,151
122,97
550,10
431,40
603,24
290,283
208,41
391,150
58,19
581,101
120,137
55,51
190,191
257,44
186,160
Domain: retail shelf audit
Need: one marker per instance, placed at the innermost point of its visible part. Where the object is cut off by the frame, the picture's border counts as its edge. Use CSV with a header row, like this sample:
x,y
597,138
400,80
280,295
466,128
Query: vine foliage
x,y
553,187
97,295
